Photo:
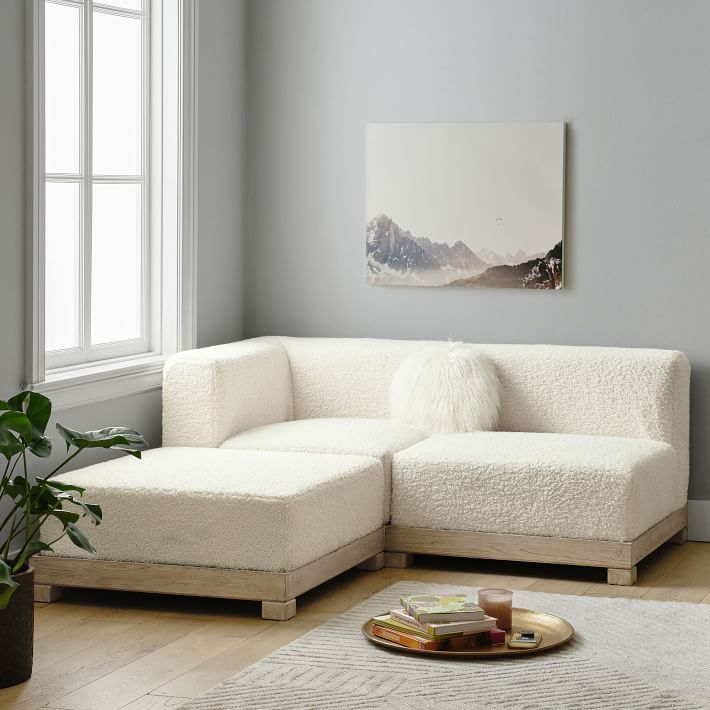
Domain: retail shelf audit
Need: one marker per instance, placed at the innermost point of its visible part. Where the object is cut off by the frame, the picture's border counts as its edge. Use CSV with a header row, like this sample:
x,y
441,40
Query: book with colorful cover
x,y
442,607
447,629
405,639
387,621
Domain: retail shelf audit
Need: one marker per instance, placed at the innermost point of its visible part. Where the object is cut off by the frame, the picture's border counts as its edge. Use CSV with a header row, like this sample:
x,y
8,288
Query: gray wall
x,y
629,77
222,57
12,195
221,64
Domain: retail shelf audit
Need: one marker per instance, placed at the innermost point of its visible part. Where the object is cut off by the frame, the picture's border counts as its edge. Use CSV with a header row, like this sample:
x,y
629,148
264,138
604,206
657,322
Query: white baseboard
x,y
699,520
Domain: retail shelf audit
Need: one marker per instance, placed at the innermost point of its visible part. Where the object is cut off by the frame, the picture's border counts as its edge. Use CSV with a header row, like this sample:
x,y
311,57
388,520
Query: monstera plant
x,y
27,502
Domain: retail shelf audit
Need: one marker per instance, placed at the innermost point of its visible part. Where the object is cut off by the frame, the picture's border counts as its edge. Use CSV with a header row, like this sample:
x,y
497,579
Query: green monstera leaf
x,y
80,538
10,443
27,414
17,422
115,437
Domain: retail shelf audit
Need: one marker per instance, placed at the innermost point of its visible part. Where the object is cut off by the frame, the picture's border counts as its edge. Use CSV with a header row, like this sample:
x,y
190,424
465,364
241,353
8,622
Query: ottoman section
x,y
246,510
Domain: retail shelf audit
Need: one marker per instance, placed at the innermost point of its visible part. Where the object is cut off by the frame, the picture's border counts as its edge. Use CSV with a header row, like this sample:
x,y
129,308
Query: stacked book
x,y
435,622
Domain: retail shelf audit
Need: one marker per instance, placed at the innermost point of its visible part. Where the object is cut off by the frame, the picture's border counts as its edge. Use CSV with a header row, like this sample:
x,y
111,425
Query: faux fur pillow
x,y
446,389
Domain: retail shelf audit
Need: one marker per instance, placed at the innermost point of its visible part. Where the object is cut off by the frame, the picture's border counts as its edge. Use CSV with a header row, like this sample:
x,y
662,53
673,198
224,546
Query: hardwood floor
x,y
105,650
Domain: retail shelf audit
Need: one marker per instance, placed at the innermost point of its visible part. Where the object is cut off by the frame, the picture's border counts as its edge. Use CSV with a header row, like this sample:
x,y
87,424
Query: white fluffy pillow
x,y
445,389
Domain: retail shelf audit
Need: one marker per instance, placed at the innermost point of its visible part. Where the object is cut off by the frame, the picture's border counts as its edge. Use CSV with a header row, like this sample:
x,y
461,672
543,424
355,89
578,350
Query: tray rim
x,y
484,651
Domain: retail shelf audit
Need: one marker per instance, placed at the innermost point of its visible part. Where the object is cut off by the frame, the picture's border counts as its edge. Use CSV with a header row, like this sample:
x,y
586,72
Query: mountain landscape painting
x,y
476,205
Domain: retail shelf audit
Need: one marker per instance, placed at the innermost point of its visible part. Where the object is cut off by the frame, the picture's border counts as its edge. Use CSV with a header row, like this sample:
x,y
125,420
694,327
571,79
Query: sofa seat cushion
x,y
379,438
234,509
561,485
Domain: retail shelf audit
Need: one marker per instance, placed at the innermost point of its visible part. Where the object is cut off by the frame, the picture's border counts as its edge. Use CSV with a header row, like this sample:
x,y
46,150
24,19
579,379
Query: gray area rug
x,y
627,653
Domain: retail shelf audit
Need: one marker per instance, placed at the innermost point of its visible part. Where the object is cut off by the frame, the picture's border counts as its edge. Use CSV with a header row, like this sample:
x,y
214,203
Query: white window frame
x,y
169,167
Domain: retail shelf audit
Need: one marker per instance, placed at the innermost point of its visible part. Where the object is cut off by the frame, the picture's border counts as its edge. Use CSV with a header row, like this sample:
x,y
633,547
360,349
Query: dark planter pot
x,y
16,632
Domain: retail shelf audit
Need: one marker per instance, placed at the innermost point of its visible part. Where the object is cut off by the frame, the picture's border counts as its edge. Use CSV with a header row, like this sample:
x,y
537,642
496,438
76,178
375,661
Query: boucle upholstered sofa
x,y
280,469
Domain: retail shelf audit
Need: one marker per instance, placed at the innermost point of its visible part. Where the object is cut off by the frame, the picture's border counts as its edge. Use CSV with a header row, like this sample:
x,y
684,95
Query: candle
x,y
497,603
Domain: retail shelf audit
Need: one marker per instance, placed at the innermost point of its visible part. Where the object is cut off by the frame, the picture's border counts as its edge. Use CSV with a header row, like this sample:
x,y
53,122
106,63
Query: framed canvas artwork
x,y
473,205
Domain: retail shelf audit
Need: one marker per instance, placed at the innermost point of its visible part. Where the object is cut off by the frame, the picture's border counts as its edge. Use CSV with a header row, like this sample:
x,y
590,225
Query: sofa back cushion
x,y
630,392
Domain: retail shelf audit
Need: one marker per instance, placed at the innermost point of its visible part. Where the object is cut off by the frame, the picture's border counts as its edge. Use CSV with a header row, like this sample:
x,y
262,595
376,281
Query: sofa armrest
x,y
213,393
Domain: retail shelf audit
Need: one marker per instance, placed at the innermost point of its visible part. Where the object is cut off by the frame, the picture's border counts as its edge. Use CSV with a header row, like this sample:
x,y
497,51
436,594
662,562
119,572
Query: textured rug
x,y
627,653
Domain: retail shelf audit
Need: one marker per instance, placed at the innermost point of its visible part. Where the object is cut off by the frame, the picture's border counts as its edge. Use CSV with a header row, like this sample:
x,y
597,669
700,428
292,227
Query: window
x,y
112,208
96,141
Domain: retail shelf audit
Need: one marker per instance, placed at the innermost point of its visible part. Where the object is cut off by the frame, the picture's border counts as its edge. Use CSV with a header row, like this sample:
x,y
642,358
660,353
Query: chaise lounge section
x,y
290,440
273,516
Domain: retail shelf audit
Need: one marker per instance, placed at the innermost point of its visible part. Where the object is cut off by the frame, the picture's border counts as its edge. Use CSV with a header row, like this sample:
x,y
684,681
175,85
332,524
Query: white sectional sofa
x,y
281,468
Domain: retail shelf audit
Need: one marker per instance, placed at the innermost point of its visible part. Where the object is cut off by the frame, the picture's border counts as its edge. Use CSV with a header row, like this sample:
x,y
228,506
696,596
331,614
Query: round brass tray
x,y
554,632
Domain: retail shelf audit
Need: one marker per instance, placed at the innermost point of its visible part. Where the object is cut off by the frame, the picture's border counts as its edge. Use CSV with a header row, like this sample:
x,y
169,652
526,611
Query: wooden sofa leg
x,y
373,563
278,611
681,537
399,560
624,577
47,593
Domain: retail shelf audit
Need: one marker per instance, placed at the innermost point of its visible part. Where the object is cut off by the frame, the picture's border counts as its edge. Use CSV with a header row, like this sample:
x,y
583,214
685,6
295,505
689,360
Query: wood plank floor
x,y
105,650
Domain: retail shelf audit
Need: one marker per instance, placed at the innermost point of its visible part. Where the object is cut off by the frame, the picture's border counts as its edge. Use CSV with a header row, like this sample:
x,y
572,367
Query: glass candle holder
x,y
497,603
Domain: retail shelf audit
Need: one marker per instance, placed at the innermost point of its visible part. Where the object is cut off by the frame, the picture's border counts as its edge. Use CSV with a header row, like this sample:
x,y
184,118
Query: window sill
x,y
98,382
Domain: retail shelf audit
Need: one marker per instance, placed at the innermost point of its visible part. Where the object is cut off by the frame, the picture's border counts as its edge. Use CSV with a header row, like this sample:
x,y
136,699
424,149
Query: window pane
x,y
116,263
61,280
62,100
117,87
136,5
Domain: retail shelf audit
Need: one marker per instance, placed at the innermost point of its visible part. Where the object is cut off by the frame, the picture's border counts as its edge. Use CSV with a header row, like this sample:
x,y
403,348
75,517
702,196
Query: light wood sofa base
x,y
278,611
276,590
617,557
398,560
624,577
47,593
681,537
374,563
